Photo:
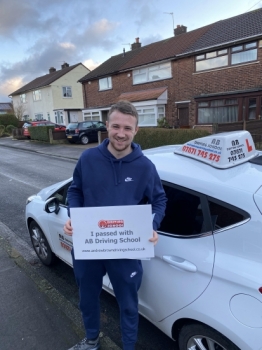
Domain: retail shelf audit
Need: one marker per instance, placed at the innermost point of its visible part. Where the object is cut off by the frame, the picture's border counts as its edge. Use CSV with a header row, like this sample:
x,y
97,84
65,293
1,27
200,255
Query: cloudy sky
x,y
36,35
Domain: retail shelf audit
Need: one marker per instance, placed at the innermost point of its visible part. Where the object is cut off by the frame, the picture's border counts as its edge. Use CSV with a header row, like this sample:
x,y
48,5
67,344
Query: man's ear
x,y
107,125
136,129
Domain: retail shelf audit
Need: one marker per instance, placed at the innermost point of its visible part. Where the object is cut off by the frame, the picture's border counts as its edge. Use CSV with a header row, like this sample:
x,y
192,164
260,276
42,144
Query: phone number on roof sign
x,y
200,153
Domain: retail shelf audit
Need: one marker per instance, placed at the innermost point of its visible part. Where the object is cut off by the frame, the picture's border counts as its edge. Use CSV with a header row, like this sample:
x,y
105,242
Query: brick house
x,y
209,75
56,96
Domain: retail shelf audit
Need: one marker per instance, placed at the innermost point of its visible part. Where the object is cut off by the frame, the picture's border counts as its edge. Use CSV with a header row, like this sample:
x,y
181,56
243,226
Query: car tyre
x,y
198,336
41,245
84,140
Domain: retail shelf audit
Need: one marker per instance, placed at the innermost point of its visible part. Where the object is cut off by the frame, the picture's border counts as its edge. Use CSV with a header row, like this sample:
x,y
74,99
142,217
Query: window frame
x,y
229,52
109,83
23,98
208,105
147,70
157,114
64,95
37,95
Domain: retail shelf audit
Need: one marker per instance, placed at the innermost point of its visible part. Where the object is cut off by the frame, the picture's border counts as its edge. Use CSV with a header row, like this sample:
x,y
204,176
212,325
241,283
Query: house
x,y
209,75
6,108
56,96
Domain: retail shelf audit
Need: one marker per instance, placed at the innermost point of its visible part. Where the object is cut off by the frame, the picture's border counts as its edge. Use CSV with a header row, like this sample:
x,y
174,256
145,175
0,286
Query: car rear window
x,y
72,126
224,215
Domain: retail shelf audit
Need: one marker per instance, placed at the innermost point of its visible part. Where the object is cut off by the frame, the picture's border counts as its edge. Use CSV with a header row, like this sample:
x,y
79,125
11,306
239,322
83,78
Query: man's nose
x,y
121,132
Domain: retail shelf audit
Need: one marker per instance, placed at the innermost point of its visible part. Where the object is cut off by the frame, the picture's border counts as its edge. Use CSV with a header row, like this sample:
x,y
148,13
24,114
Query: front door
x,y
183,116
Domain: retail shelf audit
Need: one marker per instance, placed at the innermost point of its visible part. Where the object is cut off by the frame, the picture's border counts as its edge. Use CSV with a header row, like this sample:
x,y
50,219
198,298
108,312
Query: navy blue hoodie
x,y
100,179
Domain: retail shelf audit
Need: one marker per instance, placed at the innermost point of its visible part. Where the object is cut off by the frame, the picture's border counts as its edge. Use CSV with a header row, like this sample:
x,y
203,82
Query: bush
x,y
155,137
9,129
40,133
2,129
8,119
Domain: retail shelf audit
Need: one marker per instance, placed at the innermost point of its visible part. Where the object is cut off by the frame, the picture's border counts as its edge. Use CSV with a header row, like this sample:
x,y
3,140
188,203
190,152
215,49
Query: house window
x,y
244,53
227,57
211,60
105,83
23,98
67,91
39,116
37,95
59,117
148,115
218,111
152,73
92,116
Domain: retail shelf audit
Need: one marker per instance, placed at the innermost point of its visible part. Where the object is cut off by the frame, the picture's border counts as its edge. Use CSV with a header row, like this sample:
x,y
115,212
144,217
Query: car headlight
x,y
30,199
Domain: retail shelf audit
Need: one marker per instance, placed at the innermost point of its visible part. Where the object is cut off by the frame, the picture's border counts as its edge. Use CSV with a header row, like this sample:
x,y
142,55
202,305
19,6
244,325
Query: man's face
x,y
121,130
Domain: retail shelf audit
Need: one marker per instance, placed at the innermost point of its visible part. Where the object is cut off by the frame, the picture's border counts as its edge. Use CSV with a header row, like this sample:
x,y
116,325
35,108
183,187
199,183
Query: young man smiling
x,y
116,173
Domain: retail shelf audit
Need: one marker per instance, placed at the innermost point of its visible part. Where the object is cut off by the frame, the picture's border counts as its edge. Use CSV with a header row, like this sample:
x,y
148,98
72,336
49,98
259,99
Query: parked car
x,y
84,132
28,124
203,288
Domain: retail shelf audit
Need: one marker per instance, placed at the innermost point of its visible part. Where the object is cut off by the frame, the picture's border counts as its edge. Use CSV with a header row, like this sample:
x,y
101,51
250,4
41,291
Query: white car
x,y
204,285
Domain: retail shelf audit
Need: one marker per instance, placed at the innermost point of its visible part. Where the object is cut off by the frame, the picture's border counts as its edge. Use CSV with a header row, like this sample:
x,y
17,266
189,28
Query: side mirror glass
x,y
52,205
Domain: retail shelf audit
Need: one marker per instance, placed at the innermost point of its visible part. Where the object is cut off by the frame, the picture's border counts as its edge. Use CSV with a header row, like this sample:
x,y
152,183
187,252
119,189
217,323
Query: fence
x,y
253,126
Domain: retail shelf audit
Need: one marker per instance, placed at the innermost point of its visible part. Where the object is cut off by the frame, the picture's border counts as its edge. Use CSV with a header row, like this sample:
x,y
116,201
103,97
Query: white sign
x,y
116,232
223,150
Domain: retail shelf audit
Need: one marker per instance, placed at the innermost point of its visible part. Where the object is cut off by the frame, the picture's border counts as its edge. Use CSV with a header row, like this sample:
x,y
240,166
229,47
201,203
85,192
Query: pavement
x,y
34,315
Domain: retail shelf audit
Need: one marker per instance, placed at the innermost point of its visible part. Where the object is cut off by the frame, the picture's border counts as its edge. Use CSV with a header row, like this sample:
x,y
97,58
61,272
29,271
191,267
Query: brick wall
x,y
184,86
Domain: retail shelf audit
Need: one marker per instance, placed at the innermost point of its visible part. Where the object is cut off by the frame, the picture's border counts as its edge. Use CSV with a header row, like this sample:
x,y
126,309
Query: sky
x,y
36,35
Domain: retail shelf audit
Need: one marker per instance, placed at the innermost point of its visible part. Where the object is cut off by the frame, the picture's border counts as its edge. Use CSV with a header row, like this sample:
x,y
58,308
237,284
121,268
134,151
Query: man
x,y
99,180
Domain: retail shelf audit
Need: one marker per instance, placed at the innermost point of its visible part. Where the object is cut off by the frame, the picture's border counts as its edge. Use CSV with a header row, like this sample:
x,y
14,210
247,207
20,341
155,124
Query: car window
x,y
87,125
224,215
61,194
184,214
99,125
72,126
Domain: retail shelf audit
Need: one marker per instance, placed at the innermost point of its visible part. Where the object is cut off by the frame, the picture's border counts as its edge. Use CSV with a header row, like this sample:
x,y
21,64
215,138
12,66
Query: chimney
x,y
136,45
180,29
124,52
52,70
65,65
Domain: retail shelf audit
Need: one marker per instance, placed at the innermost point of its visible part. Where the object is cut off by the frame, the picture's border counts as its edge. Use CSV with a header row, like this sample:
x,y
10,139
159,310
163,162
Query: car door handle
x,y
180,263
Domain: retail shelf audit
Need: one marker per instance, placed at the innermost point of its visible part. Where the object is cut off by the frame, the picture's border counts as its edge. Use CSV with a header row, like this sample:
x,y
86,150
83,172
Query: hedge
x,y
8,119
155,137
40,133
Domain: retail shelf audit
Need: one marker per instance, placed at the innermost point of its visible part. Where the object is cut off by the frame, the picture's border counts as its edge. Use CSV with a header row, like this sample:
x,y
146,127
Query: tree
x,y
19,109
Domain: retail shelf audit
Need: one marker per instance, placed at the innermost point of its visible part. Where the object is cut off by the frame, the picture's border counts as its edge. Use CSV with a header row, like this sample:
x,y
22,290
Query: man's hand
x,y
68,228
154,239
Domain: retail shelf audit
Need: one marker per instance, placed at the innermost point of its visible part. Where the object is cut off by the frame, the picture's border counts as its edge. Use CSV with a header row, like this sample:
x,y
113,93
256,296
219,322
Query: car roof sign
x,y
223,150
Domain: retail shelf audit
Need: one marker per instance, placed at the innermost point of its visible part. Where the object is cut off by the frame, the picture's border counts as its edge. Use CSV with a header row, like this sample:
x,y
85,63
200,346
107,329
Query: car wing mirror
x,y
52,205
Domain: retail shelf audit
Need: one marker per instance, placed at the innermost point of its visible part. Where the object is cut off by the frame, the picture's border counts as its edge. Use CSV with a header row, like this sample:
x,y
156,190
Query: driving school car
x,y
203,288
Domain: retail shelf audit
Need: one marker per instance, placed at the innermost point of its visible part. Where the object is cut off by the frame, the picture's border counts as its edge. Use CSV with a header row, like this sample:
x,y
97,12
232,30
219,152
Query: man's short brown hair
x,y
124,107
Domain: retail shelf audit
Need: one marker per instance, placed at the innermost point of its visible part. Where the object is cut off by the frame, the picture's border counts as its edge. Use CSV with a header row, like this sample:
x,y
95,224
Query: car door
x,y
60,241
184,256
88,129
63,243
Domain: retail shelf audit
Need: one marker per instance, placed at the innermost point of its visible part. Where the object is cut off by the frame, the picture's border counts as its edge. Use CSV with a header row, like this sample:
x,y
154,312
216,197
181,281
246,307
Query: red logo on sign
x,y
110,223
249,148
